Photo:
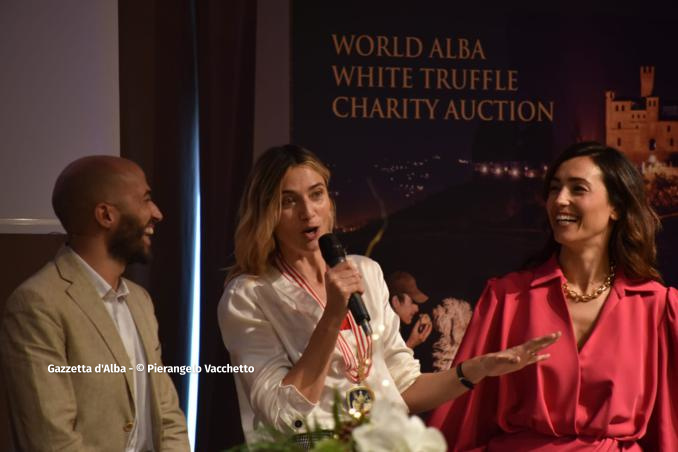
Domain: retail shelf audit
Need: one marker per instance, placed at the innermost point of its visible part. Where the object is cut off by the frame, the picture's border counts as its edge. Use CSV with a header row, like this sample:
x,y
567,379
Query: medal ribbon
x,y
355,368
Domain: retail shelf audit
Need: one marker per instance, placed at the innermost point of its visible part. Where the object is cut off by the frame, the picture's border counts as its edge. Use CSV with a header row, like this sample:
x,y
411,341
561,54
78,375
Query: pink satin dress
x,y
618,392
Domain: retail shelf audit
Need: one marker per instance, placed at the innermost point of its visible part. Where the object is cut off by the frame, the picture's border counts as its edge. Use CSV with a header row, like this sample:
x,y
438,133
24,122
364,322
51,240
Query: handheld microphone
x,y
334,254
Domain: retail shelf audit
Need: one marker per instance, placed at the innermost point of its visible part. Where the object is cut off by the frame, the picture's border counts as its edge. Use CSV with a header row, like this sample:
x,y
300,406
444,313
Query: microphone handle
x,y
360,314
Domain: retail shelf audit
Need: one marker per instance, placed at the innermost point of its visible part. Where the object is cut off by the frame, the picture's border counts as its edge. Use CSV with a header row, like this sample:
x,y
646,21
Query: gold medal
x,y
360,399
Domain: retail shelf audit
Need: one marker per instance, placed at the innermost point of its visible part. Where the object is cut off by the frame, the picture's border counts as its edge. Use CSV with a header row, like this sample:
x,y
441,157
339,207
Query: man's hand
x,y
420,331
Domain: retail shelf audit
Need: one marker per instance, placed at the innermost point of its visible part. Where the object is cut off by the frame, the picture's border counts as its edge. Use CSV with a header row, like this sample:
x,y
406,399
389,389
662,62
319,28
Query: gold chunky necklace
x,y
586,297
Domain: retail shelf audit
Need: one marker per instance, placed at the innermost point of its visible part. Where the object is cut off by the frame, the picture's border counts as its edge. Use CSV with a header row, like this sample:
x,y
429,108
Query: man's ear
x,y
395,302
106,215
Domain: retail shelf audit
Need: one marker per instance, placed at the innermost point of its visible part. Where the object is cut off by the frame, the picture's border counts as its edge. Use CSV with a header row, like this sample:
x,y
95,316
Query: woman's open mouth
x,y
564,219
311,233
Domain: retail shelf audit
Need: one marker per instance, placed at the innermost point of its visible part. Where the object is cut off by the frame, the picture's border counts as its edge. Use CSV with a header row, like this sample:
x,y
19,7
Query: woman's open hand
x,y
509,360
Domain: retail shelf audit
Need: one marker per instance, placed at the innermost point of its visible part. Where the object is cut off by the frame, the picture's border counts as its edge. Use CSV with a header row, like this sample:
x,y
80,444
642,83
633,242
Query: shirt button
x,y
298,423
128,427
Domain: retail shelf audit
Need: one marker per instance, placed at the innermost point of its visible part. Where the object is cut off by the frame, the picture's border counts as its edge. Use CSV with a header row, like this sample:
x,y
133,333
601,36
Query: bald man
x,y
73,335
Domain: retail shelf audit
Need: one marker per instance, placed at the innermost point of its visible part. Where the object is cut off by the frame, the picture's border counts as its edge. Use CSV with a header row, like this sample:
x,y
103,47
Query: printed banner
x,y
438,126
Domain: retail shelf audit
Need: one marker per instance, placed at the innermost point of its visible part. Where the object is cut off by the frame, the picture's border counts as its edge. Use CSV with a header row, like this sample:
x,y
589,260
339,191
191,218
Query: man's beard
x,y
127,243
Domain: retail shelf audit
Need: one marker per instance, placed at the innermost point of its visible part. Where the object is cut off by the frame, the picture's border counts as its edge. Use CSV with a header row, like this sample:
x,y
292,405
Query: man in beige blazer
x,y
73,335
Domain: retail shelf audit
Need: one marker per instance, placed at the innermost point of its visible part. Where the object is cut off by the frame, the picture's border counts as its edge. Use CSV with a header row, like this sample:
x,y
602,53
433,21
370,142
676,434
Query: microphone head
x,y
331,249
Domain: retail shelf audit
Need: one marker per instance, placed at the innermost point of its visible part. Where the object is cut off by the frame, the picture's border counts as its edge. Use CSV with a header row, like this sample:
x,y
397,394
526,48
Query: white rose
x,y
391,430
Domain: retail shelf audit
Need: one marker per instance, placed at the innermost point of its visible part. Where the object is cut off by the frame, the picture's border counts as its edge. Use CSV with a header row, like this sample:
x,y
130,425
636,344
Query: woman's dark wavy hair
x,y
632,243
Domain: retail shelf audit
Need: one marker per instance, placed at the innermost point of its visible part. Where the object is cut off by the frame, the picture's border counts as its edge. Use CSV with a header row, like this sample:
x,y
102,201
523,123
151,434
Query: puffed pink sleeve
x,y
469,421
662,432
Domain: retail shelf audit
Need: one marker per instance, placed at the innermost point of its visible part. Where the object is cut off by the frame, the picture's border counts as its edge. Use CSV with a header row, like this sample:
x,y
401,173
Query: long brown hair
x,y
632,244
259,210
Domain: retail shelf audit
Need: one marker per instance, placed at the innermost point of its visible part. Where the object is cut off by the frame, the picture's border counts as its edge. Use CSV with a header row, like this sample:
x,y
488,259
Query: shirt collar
x,y
546,272
551,270
105,291
623,284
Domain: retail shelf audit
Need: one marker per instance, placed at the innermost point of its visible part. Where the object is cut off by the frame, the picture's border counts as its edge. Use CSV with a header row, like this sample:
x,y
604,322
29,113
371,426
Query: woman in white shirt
x,y
284,312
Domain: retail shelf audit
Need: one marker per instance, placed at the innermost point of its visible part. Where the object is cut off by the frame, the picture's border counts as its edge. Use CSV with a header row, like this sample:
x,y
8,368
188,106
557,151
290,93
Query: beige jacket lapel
x,y
147,334
140,321
82,292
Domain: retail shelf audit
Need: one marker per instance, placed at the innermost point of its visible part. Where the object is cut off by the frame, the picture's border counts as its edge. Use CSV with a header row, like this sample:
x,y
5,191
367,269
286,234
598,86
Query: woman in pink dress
x,y
612,380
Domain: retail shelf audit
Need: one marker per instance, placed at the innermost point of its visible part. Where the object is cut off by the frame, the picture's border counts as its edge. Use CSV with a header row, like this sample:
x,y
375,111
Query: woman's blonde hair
x,y
259,210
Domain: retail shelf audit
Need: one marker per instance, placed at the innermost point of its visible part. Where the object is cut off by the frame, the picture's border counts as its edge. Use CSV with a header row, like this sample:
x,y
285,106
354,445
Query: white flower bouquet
x,y
386,428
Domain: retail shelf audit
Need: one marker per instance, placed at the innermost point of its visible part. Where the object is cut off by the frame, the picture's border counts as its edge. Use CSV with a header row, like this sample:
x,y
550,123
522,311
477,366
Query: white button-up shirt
x,y
115,302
